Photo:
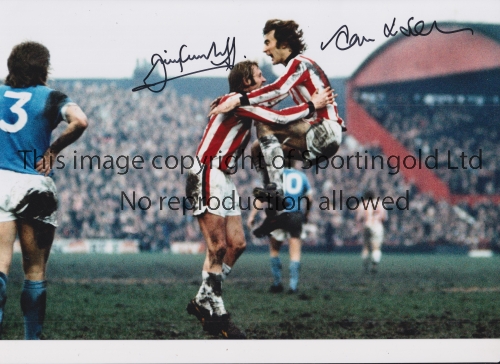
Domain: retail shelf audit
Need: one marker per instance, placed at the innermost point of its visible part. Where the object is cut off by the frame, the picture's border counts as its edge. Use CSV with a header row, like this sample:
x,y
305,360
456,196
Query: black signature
x,y
417,30
344,30
156,59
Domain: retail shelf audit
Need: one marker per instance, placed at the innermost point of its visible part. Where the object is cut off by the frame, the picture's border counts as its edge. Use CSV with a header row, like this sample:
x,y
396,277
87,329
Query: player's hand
x,y
215,103
44,165
228,105
250,222
321,98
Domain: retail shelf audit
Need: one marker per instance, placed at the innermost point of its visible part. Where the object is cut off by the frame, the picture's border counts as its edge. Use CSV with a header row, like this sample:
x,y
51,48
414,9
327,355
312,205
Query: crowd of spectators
x,y
94,202
460,130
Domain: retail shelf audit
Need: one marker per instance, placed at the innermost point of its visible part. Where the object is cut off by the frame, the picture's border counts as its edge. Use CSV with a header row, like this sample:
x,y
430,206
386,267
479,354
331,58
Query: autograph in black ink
x,y
344,30
417,30
156,59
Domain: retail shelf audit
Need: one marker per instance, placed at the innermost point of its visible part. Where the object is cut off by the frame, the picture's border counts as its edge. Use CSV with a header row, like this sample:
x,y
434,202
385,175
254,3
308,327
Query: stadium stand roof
x,y
461,62
404,58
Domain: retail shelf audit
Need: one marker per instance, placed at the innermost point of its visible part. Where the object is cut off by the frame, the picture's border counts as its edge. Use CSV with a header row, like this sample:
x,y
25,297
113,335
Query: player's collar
x,y
292,55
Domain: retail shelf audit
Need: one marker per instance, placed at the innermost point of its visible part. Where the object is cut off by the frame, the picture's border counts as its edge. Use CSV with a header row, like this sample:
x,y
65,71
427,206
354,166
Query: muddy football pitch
x,y
144,297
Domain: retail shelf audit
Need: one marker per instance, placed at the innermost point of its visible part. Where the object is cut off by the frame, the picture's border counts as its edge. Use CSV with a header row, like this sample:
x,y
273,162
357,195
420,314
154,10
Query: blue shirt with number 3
x,y
27,118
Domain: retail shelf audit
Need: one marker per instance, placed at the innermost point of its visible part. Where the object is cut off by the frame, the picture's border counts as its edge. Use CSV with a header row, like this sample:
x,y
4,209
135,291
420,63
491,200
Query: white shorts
x,y
374,236
27,196
213,191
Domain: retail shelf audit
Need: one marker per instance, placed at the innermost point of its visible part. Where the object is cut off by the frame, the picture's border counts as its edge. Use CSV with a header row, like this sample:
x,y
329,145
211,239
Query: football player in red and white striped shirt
x,y
371,217
319,134
213,196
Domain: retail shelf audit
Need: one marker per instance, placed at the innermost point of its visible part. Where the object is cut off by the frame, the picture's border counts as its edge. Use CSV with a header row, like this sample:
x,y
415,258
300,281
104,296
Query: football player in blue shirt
x,y
29,111
298,196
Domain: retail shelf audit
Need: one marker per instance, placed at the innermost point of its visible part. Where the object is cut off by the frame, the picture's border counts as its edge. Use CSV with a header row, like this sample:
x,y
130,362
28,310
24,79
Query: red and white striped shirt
x,y
227,135
301,79
370,217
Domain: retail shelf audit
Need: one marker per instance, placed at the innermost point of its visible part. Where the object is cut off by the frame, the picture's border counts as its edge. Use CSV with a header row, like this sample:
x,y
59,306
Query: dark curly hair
x,y
369,194
287,33
28,65
240,72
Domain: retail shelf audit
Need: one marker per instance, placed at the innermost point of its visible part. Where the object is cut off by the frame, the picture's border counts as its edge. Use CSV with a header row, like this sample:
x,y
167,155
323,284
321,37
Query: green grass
x,y
144,296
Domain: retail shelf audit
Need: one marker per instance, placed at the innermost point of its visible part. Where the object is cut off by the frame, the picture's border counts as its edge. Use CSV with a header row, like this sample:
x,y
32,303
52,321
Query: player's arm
x,y
215,102
282,86
295,74
77,123
284,116
271,116
267,93
257,206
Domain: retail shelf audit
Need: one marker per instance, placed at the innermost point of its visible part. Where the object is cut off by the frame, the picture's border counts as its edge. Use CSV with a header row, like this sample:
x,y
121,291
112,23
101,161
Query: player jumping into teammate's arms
x,y
223,141
298,192
319,134
29,111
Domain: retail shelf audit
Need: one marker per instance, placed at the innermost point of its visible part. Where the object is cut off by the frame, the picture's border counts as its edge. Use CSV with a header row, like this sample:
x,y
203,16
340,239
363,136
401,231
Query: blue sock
x,y
3,296
276,270
294,274
33,301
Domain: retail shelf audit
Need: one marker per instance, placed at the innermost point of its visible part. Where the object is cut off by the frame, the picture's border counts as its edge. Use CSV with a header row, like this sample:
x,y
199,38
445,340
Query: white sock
x,y
274,158
210,293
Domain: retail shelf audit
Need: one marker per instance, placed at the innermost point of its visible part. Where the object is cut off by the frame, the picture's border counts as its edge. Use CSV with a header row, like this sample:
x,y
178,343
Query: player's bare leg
x,y
8,233
276,267
236,244
295,248
376,256
366,257
213,228
274,247
36,241
7,236
208,306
